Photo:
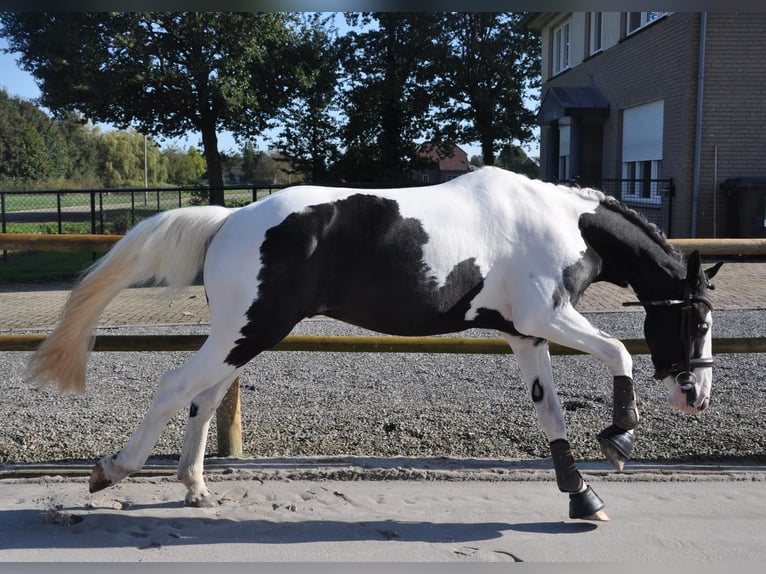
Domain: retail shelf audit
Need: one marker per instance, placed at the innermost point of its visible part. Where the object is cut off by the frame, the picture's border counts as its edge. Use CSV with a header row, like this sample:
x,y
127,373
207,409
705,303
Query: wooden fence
x,y
228,414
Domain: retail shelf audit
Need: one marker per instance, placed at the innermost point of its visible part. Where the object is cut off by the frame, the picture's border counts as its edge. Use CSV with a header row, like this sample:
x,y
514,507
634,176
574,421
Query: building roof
x,y
563,101
455,161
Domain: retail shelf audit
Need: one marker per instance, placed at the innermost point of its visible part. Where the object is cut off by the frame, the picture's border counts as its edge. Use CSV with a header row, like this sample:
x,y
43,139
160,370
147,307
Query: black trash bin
x,y
746,206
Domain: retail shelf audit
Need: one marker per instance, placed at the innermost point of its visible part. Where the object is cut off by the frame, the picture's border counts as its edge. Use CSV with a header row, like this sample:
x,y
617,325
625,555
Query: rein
x,y
684,372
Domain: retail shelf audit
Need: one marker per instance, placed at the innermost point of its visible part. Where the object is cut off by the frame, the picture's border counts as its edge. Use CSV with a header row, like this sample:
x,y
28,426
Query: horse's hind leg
x,y
177,387
534,360
191,462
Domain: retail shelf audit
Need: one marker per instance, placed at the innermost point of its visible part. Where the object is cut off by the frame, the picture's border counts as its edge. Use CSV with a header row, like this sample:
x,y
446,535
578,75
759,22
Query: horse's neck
x,y
631,256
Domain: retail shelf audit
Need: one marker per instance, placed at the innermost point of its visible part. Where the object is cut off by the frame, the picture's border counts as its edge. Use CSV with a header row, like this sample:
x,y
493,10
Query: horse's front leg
x,y
616,440
534,361
571,329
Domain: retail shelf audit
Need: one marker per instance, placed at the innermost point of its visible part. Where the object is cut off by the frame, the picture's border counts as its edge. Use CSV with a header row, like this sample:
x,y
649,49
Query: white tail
x,y
168,248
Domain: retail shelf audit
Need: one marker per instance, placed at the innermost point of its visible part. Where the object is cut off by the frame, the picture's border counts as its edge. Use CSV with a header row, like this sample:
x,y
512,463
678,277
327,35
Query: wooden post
x,y
229,423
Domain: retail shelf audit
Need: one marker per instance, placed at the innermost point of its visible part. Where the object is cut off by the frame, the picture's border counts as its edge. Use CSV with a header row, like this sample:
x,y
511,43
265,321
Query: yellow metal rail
x,y
357,344
84,242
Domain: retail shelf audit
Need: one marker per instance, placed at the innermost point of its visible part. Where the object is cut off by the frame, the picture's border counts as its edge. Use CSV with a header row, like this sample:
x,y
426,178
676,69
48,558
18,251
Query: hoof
x,y
205,501
98,480
616,444
587,505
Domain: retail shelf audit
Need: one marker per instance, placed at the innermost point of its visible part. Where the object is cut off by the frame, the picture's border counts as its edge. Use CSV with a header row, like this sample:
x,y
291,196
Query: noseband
x,y
684,370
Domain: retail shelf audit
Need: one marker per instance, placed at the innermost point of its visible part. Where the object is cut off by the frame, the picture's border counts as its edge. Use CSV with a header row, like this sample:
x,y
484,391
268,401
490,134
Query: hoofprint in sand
x,y
322,520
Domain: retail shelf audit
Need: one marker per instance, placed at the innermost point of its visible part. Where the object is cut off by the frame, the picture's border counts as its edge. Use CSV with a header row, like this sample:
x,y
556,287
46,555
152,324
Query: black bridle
x,y
682,370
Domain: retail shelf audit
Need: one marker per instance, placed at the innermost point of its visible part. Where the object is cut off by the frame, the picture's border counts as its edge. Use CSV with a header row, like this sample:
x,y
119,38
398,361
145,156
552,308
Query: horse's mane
x,y
652,231
638,219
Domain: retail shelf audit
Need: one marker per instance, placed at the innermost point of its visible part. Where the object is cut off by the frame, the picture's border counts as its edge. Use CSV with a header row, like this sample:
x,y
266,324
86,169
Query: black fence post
x,y
671,192
101,210
58,212
2,217
93,212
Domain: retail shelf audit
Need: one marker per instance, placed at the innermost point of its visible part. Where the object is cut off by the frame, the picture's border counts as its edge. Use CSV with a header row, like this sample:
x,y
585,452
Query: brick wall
x,y
734,109
656,62
661,61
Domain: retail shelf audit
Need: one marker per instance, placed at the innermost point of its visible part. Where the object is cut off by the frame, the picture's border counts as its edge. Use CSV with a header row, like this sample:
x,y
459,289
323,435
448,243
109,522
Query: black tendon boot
x,y
583,501
616,443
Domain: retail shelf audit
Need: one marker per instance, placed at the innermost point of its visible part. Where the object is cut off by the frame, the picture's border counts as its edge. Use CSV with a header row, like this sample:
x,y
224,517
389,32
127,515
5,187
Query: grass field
x,y
118,216
35,267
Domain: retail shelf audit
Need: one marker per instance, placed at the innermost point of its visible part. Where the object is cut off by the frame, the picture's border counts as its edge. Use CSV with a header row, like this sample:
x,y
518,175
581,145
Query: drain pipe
x,y
698,128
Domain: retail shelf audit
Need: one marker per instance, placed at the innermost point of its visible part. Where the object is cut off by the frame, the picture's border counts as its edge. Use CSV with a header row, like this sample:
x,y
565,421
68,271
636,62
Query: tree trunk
x,y
487,152
214,165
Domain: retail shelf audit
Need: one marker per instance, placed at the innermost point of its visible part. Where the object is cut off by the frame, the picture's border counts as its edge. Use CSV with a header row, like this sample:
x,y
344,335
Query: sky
x,y
19,83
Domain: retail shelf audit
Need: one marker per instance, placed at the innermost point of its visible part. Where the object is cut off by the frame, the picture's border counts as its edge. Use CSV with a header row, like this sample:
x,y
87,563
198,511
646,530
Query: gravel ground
x,y
307,404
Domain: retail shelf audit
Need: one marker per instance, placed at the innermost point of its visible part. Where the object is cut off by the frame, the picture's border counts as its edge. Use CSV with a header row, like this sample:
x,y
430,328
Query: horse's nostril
x,y
704,405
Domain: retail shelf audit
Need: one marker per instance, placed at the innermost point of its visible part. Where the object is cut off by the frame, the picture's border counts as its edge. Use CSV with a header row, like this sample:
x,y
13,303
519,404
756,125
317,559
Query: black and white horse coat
x,y
491,249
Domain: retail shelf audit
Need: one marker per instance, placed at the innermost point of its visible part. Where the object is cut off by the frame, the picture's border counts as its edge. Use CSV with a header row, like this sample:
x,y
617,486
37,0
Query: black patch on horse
x,y
576,278
357,260
537,391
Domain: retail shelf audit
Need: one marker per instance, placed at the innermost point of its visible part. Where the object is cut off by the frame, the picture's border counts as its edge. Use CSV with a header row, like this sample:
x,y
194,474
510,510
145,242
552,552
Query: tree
x,y
163,73
310,129
513,158
384,102
83,149
122,160
249,161
487,65
184,168
31,145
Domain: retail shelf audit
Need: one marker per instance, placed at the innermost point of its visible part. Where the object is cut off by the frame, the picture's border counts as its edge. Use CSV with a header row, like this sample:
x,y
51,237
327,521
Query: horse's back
x,y
403,261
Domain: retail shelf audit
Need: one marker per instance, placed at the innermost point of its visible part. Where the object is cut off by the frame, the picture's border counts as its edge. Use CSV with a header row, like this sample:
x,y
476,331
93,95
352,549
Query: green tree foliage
x,y
385,103
184,167
513,158
250,157
484,65
31,145
309,137
82,161
164,73
122,160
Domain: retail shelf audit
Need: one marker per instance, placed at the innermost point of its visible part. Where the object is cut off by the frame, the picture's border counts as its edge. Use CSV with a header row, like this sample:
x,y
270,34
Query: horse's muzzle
x,y
687,382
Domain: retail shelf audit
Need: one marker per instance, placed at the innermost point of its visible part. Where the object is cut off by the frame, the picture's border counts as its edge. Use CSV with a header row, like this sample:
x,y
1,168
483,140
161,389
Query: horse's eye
x,y
703,328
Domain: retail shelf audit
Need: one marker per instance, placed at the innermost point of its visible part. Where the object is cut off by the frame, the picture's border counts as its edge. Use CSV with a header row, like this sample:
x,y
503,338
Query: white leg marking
x,y
192,460
534,361
569,328
176,389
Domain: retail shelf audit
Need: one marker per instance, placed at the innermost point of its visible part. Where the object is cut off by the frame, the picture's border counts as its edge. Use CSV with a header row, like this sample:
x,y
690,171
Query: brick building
x,y
643,97
440,163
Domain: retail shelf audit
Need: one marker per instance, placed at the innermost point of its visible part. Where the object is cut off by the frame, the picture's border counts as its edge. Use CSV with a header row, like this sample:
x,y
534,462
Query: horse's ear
x,y
693,265
711,272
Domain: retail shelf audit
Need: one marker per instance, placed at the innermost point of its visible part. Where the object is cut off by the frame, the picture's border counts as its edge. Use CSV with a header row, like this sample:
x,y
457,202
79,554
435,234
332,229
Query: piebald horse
x,y
491,249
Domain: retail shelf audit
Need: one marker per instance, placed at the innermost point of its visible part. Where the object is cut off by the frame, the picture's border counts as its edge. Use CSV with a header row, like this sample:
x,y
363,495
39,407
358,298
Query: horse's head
x,y
679,334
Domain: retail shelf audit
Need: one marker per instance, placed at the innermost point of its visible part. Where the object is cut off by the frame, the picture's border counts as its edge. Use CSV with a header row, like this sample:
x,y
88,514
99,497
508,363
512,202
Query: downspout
x,y
698,128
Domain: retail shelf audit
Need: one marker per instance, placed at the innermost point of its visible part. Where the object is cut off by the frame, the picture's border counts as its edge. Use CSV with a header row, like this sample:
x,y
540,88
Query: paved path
x,y
683,522
30,307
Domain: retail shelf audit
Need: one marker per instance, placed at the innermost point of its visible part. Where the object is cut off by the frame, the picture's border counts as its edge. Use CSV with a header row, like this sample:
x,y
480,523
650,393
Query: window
x,y
640,181
637,20
565,132
642,135
595,32
561,47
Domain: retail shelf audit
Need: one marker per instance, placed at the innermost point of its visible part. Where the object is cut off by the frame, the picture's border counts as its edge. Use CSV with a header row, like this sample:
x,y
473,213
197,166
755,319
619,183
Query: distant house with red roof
x,y
440,164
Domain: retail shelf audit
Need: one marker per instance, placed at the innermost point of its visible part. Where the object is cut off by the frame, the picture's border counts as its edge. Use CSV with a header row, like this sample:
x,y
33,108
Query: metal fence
x,y
101,211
